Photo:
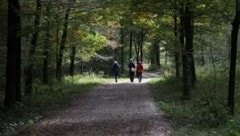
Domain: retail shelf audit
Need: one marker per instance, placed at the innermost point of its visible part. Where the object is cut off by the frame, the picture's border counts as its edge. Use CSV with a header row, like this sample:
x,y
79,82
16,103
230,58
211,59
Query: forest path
x,y
111,109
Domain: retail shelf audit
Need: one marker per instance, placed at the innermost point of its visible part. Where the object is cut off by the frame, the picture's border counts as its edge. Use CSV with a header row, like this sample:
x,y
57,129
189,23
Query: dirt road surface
x,y
113,109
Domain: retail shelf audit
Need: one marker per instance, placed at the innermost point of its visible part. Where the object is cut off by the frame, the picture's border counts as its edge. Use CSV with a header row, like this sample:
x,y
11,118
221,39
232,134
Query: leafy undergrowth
x,y
206,112
45,101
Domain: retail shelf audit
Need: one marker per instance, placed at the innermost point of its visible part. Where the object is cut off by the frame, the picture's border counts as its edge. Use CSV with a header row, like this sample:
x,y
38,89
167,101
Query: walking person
x,y
131,68
116,69
139,71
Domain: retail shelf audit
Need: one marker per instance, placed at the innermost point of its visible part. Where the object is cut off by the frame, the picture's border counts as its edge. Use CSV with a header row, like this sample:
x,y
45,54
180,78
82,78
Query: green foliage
x,y
173,109
167,94
210,112
91,44
95,40
232,127
206,113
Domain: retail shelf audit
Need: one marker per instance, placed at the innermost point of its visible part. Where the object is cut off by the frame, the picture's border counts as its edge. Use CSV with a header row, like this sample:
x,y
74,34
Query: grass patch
x,y
206,113
45,101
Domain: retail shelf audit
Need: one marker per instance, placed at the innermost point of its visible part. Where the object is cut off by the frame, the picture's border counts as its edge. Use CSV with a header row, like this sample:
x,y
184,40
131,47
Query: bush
x,y
232,127
210,112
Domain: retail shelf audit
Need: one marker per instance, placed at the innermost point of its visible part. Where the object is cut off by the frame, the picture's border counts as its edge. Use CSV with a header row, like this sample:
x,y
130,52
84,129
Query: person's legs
x,y
131,74
116,76
140,76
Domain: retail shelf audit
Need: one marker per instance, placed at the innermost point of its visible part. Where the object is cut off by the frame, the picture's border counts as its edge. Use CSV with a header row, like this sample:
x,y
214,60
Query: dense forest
x,y
191,42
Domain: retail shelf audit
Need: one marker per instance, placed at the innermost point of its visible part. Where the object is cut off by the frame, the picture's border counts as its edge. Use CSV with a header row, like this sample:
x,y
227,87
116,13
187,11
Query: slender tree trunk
x,y
130,44
157,53
46,50
188,54
214,69
141,45
122,48
62,46
29,69
141,52
57,40
194,77
152,59
136,44
13,67
176,52
72,61
202,57
185,67
232,72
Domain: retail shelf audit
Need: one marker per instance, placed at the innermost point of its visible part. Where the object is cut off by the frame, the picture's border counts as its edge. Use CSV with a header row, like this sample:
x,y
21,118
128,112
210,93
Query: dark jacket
x,y
115,67
131,65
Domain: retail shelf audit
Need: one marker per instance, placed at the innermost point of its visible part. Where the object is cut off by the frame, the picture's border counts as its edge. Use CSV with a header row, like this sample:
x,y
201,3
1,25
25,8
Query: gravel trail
x,y
114,109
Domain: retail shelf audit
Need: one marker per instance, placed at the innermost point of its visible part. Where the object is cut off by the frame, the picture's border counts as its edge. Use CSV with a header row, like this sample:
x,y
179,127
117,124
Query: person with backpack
x,y
139,71
131,67
116,69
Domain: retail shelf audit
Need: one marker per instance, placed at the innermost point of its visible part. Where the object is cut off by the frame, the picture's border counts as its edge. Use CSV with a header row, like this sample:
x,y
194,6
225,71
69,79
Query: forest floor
x,y
115,109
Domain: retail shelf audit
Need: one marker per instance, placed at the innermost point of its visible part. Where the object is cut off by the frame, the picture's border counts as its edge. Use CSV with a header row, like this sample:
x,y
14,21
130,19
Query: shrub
x,y
210,111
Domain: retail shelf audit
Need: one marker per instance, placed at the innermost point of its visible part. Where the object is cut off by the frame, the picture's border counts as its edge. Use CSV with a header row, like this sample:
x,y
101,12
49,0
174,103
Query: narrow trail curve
x,y
113,109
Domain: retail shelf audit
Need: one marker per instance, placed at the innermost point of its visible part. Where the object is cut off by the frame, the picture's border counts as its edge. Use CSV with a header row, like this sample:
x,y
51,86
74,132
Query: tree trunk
x,y
136,44
57,39
13,67
62,46
234,39
152,59
202,57
186,60
157,53
188,27
46,50
141,45
122,48
176,52
29,69
73,53
130,44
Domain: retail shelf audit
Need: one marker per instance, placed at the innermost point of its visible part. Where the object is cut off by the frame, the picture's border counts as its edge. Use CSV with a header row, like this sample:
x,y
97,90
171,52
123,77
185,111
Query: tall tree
x,y
45,76
186,32
130,44
13,68
122,48
155,53
136,41
33,45
232,72
176,52
72,60
62,45
3,43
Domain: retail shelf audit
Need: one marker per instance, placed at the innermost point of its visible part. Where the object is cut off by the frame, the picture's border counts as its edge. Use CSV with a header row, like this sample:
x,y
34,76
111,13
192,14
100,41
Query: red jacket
x,y
139,67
